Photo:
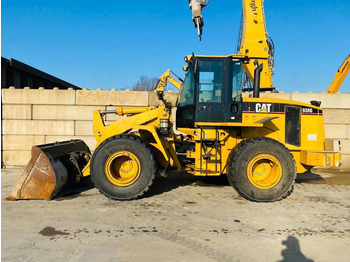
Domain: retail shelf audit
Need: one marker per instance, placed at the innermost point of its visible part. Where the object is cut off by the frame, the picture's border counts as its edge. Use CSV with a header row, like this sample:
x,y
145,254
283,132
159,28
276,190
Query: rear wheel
x,y
123,167
261,169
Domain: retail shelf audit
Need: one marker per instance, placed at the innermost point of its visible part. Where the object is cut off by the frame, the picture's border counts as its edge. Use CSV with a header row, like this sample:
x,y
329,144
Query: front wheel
x,y
261,170
123,167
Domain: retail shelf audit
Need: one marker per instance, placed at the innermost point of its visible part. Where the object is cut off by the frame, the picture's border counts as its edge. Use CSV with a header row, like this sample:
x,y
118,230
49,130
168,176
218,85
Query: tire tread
x,y
148,148
232,159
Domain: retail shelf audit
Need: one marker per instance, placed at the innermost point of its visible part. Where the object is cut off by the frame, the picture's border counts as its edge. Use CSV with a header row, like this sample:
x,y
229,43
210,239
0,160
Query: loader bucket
x,y
51,169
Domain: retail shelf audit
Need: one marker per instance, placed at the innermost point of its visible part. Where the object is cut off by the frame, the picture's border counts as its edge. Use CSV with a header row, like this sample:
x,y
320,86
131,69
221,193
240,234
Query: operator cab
x,y
212,92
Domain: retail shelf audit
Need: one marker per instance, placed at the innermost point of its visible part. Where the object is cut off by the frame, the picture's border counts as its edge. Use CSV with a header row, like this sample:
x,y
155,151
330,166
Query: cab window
x,y
237,81
210,81
186,97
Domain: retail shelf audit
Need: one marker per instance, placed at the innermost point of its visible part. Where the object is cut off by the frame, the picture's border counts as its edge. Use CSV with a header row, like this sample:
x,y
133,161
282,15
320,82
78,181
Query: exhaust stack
x,y
256,85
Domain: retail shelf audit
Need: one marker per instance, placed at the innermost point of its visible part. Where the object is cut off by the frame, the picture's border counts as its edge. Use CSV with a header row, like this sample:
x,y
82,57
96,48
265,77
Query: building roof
x,y
20,75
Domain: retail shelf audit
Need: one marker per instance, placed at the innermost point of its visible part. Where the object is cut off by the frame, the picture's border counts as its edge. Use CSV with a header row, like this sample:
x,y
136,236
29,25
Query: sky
x,y
110,44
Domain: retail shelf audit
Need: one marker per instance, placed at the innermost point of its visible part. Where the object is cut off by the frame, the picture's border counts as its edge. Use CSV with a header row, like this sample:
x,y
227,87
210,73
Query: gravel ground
x,y
182,218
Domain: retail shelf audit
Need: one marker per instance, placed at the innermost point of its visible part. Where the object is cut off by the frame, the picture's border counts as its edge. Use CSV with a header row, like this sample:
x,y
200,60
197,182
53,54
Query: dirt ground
x,y
182,218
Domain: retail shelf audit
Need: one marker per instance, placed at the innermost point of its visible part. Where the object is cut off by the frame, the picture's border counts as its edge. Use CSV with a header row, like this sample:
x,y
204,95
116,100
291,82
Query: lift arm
x,y
339,76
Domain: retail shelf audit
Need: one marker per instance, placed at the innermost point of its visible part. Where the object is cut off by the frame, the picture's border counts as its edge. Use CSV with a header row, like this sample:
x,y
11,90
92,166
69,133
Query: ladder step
x,y
209,172
210,145
209,142
208,155
207,158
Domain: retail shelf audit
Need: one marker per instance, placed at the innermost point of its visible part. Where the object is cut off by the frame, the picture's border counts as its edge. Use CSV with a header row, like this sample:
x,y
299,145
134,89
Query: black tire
x,y
274,170
118,153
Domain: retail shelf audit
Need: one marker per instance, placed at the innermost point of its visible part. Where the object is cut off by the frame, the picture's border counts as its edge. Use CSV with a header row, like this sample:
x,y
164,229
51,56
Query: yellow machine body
x,y
310,153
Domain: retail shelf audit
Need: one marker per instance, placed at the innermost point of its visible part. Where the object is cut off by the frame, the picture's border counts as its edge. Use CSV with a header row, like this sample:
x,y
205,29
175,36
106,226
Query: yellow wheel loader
x,y
259,143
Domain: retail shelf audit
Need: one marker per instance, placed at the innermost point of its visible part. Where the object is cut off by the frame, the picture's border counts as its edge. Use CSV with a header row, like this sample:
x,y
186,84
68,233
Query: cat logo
x,y
263,108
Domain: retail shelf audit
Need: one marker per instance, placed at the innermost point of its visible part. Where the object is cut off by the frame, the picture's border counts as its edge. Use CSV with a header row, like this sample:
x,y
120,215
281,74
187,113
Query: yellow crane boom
x,y
255,42
339,76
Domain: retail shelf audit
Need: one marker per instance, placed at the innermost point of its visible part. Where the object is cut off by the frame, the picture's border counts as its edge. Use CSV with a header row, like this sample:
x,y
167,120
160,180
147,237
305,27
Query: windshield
x,y
186,97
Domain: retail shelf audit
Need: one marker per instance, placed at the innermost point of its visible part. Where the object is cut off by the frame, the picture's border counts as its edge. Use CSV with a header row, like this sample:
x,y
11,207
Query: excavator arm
x,y
339,76
164,80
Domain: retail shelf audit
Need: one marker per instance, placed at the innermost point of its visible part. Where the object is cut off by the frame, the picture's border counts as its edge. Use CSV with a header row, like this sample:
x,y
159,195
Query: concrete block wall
x,y
39,116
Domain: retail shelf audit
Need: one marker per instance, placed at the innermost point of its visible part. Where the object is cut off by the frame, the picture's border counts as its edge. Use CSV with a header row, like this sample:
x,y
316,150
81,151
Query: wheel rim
x,y
122,168
264,171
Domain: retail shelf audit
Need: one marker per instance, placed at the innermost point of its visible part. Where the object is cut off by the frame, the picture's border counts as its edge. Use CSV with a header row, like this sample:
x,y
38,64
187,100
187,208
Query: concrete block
x,y
287,96
37,127
171,97
38,96
247,94
112,97
269,94
16,158
345,162
21,142
107,123
345,146
328,100
335,131
89,140
336,116
16,112
61,112
84,128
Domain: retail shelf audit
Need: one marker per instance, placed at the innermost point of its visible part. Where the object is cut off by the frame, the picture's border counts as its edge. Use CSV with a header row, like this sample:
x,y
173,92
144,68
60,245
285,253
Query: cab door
x,y
210,85
234,84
